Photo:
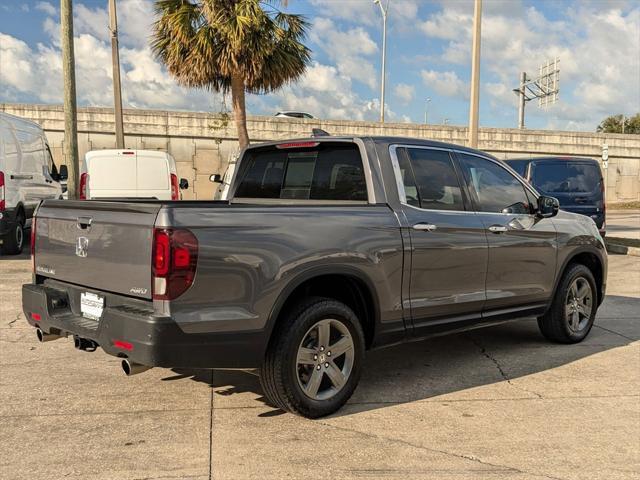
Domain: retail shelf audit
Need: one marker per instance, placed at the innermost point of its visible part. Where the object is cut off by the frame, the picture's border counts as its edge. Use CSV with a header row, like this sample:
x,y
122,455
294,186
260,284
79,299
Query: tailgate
x,y
100,245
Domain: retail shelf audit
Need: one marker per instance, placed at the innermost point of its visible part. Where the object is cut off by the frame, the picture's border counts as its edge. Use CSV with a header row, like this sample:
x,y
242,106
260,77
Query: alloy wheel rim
x,y
19,236
325,359
579,304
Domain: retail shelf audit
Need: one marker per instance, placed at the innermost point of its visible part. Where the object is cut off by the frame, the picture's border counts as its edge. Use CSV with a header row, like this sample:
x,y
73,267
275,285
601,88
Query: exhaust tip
x,y
132,368
45,337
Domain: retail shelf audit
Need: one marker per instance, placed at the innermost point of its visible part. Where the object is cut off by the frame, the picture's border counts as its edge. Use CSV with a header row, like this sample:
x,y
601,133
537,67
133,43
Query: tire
x,y
13,242
576,298
302,376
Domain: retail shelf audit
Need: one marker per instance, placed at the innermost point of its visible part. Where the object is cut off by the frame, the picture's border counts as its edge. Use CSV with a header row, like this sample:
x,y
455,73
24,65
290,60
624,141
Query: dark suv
x,y
576,182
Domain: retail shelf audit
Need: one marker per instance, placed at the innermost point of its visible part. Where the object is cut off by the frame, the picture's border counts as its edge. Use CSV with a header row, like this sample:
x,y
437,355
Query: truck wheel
x,y
314,361
574,306
13,241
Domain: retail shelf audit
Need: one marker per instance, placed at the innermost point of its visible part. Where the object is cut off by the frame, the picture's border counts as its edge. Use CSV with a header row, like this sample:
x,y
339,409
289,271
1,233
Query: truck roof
x,y
378,139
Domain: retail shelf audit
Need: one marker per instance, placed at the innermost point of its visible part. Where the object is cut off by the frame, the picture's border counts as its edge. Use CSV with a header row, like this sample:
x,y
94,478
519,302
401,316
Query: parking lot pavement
x,y
494,403
623,223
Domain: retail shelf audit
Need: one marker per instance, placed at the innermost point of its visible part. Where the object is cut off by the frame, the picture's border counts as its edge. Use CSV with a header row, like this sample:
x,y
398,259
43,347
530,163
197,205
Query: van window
x,y
325,172
566,177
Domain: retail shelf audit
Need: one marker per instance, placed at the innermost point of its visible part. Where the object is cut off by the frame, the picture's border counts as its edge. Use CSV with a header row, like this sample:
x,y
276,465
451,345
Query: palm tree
x,y
230,45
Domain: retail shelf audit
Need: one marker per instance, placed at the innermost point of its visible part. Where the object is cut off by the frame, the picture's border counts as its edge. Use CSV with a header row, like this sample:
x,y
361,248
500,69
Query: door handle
x,y
428,227
498,228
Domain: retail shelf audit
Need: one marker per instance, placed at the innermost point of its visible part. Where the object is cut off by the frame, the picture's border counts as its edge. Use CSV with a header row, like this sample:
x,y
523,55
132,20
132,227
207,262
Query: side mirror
x,y
63,174
184,184
548,206
215,178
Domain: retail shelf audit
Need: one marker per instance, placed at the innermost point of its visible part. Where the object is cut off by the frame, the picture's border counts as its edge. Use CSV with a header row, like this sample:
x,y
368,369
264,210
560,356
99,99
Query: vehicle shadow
x,y
443,365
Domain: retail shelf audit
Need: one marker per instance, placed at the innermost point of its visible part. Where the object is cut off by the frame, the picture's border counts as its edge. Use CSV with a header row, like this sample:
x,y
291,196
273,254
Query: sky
x,y
428,57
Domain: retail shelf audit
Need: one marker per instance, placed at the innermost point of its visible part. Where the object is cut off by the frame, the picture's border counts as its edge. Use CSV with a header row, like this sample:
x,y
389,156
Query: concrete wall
x,y
201,143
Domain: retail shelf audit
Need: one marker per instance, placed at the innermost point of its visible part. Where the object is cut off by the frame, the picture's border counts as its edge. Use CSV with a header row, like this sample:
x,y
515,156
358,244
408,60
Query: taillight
x,y
174,260
175,190
297,145
32,246
2,204
84,178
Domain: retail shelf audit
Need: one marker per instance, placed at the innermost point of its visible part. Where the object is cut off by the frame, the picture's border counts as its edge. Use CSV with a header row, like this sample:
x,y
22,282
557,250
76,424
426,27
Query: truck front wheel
x,y
314,361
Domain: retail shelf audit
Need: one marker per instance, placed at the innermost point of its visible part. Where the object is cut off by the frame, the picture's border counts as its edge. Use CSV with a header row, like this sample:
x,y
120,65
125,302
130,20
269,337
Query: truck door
x,y
448,242
522,247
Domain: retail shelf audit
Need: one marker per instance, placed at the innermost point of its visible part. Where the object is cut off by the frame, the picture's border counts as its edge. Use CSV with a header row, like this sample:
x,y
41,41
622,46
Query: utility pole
x,y
475,75
521,100
384,11
115,58
69,87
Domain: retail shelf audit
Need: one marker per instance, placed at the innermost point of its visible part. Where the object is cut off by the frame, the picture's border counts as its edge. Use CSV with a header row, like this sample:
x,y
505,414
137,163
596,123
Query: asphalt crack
x,y
10,324
503,374
462,456
616,333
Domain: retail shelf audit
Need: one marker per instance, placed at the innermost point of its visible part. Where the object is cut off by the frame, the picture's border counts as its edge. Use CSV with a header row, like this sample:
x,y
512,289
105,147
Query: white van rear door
x,y
112,175
153,176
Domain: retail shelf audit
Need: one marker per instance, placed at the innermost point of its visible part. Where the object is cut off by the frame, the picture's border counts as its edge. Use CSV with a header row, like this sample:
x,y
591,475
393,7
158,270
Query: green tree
x,y
230,45
614,124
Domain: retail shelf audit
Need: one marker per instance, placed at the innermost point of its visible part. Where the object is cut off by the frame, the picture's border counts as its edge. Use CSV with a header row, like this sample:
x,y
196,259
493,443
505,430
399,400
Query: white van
x,y
27,176
130,174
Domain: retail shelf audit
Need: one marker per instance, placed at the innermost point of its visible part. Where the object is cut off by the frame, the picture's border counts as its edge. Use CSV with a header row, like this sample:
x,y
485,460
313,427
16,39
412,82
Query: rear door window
x,y
566,177
430,180
323,172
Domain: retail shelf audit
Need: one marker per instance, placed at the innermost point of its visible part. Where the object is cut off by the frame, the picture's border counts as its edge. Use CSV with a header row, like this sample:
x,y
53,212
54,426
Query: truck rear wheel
x,y
573,311
314,361
13,241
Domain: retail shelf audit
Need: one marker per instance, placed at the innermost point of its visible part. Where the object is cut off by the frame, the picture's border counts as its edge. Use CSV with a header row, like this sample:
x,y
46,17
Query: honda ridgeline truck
x,y
326,247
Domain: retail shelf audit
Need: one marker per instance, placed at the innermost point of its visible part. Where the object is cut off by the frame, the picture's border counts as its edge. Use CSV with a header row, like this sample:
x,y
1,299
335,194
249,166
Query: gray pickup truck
x,y
327,247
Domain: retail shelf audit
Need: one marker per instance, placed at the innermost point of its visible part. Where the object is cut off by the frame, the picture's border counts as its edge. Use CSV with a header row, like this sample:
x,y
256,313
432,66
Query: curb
x,y
623,250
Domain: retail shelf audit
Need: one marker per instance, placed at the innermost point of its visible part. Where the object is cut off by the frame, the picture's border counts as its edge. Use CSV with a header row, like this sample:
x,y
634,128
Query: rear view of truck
x,y
98,269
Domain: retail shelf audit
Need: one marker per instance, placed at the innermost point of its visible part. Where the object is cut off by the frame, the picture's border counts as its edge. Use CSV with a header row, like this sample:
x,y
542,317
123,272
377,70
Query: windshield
x,y
566,177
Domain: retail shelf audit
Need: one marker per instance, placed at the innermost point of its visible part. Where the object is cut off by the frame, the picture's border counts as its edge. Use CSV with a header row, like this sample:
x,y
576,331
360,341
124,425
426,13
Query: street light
x,y
384,11
426,110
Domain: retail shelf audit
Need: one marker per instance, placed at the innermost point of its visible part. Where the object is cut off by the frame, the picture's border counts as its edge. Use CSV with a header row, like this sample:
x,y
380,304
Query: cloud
x,y
365,12
349,49
47,8
404,92
445,83
324,92
597,43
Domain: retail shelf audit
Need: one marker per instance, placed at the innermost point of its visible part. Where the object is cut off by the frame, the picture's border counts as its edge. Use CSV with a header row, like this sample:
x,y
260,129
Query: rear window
x,y
325,172
566,177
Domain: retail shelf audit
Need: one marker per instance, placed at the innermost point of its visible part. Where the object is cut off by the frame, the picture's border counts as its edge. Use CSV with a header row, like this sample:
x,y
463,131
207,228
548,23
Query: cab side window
x,y
493,187
430,179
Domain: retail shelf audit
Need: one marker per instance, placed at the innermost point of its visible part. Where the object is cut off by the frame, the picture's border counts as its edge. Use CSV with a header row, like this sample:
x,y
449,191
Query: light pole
x,y
115,59
384,11
426,111
475,76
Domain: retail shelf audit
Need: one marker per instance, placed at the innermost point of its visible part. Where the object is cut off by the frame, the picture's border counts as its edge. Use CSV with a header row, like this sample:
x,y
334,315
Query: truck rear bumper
x,y
128,330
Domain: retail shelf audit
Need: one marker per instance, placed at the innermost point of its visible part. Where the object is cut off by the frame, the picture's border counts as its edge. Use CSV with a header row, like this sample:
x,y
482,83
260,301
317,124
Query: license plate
x,y
91,305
